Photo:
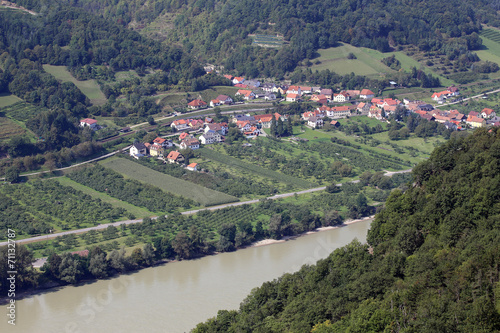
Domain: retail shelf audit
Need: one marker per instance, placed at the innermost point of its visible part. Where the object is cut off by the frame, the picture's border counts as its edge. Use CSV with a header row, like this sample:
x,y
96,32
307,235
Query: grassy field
x,y
89,87
236,163
138,212
8,99
491,48
203,195
368,62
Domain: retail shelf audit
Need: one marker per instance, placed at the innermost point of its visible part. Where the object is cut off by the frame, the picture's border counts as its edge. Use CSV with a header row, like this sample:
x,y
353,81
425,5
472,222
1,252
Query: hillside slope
x,y
434,267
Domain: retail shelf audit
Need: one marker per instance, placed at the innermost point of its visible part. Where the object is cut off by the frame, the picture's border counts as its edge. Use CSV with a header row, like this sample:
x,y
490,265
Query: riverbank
x,y
270,241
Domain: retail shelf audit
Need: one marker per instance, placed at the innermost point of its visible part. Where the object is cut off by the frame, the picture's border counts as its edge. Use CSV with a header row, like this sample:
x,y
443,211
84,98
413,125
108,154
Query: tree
x,y
182,245
98,266
151,120
70,269
148,254
117,260
12,174
289,127
280,130
137,257
275,226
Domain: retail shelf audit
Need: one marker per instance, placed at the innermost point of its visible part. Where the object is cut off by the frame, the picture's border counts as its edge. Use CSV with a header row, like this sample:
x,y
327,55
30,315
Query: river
x,y
173,297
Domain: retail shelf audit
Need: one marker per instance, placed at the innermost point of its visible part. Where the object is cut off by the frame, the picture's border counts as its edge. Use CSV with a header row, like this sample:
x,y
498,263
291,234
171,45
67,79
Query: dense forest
x,y
221,31
431,263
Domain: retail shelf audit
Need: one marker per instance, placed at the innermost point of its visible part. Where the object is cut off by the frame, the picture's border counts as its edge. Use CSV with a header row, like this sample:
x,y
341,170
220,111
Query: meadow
x,y
200,194
89,88
22,111
8,99
9,129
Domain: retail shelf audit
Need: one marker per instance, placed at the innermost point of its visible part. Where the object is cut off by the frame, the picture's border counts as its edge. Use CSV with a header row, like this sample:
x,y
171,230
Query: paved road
x,y
466,99
116,224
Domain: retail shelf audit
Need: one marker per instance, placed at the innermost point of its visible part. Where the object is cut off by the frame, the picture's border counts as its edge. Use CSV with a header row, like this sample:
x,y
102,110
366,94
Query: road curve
x,y
239,203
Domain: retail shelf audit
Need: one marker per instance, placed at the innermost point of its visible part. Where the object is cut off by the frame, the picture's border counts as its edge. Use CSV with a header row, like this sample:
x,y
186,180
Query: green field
x,y
203,195
267,40
368,62
138,212
88,87
260,171
491,48
8,99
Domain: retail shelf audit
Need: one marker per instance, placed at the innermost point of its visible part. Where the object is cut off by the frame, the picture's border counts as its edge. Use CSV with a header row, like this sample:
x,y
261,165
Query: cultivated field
x,y
260,171
89,87
9,129
22,111
8,99
203,195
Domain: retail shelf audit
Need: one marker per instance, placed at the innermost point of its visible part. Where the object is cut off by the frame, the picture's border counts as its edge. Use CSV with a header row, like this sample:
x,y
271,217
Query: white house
x,y
209,138
92,123
338,112
191,143
138,150
366,94
315,122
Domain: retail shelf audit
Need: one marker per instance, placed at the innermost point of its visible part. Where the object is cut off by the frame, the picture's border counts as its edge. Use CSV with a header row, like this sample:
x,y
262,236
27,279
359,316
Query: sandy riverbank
x,y
270,241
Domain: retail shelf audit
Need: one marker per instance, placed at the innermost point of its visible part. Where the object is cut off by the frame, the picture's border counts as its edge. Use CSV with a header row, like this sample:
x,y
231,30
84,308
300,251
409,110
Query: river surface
x,y
173,297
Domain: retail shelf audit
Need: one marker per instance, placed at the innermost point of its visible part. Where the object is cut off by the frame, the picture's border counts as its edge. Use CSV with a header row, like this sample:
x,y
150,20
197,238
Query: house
x,y
196,123
192,167
354,93
175,157
294,90
341,97
138,150
92,123
453,90
292,97
253,84
180,125
197,104
305,90
155,150
241,85
215,102
363,107
269,96
229,77
216,128
318,113
328,93
375,113
475,121
450,125
243,117
316,90
366,94
315,122
254,131
441,96
210,138
247,94
223,99
334,123
339,112
190,142
183,136
268,87
164,143
243,126
322,99
238,79
488,113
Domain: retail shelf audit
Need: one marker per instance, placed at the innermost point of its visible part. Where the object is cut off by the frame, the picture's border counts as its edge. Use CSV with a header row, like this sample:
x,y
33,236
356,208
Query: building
x,y
192,167
175,157
138,150
315,122
210,138
197,104
191,143
247,94
223,99
87,122
475,121
338,112
292,97
180,125
366,94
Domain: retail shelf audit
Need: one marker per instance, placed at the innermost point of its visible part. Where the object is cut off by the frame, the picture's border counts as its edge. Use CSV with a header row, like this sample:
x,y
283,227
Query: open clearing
x,y
9,129
368,62
200,194
88,87
260,171
138,212
8,99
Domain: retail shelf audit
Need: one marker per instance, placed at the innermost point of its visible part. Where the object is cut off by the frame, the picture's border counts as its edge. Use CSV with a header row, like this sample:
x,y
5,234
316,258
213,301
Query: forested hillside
x,y
220,31
431,263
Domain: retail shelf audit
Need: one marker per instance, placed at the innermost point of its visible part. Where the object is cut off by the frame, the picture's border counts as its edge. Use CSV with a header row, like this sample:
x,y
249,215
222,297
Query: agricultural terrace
x,y
9,129
41,207
22,111
200,194
89,88
267,40
491,48
238,163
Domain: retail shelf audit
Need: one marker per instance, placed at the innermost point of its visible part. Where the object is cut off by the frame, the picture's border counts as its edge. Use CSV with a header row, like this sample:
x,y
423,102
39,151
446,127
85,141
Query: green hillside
x,y
430,265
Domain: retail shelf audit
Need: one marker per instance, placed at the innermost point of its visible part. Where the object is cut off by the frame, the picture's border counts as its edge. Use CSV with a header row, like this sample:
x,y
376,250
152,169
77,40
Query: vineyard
x,y
22,111
494,35
9,129
268,40
200,194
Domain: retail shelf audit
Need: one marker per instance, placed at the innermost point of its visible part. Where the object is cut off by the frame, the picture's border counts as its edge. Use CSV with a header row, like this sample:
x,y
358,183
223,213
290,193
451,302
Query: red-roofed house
x,y
175,157
440,96
92,123
192,167
292,97
215,102
294,90
475,121
488,113
322,99
180,125
341,97
339,112
247,94
243,125
191,143
197,104
183,136
366,94
229,77
238,79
